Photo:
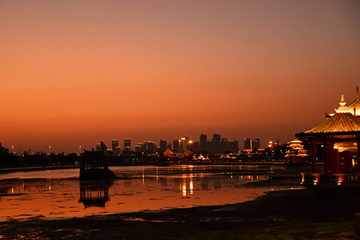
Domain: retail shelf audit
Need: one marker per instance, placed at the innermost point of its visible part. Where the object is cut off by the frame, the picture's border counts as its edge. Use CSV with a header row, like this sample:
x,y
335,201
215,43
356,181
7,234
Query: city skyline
x,y
219,144
78,72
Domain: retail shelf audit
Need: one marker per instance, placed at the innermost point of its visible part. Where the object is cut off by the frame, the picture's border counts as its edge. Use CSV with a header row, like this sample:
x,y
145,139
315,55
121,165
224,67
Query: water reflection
x,y
94,193
136,189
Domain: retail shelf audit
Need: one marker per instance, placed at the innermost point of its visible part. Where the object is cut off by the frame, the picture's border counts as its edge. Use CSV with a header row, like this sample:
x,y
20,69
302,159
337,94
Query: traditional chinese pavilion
x,y
94,165
339,136
296,154
353,108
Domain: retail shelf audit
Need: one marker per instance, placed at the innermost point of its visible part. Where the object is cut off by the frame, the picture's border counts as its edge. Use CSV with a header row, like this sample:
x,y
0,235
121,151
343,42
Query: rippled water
x,y
52,194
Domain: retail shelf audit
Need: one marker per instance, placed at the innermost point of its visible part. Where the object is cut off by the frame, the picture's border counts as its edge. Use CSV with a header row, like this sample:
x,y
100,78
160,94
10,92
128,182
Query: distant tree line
x,y
8,159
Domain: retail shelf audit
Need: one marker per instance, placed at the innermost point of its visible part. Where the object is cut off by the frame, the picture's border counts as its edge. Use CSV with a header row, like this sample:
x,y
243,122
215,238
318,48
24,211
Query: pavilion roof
x,y
340,123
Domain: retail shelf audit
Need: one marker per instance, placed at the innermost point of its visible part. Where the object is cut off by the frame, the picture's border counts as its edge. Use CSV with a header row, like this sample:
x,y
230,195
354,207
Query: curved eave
x,y
356,101
326,134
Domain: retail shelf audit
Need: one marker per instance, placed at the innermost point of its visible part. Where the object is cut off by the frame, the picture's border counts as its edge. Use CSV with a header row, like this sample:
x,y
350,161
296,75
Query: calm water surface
x,y
53,194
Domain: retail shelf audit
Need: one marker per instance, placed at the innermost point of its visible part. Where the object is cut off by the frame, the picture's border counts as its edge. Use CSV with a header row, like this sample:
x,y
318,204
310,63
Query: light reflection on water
x,y
53,194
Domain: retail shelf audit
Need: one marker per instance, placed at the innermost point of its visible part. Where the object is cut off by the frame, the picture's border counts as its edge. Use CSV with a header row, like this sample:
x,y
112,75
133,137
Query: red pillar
x,y
332,158
325,156
358,154
313,158
337,162
347,161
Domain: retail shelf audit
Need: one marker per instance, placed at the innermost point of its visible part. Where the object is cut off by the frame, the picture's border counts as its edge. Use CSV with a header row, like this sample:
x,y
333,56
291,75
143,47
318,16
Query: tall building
x,y
209,147
224,145
149,146
168,146
183,143
196,147
146,146
233,146
256,143
192,146
203,142
216,141
162,145
248,143
115,147
127,143
138,147
114,144
117,151
176,145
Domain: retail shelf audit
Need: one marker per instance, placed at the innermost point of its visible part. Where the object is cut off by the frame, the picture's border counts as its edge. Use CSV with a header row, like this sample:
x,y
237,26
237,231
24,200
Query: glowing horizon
x,y
75,73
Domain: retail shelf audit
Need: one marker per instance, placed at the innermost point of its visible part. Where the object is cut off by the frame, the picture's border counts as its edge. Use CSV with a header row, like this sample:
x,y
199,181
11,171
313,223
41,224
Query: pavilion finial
x,y
342,102
357,92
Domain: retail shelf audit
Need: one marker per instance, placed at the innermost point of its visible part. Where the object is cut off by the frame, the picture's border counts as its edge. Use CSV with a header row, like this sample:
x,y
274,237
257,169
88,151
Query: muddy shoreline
x,y
291,214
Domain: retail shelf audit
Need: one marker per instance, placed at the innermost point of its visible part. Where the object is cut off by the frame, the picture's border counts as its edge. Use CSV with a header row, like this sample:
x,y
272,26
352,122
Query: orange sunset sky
x,y
74,73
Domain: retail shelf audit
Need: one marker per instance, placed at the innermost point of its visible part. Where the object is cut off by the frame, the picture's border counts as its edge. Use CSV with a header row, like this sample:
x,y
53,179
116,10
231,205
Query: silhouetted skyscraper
x,y
256,143
209,147
117,151
251,143
216,141
114,144
176,145
148,146
195,147
203,142
162,145
224,145
233,146
138,147
127,143
115,147
183,143
248,144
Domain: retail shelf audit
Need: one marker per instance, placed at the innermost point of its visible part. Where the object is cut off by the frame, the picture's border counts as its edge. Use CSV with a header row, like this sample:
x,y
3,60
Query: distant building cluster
x,y
250,143
217,144
145,146
213,146
185,150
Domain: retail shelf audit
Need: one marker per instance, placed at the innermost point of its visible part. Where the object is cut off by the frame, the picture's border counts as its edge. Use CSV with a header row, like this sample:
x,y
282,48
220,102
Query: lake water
x,y
56,194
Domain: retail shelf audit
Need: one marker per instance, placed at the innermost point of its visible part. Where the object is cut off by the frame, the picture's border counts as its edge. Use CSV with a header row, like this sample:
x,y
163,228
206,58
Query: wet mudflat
x,y
59,194
289,214
278,215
